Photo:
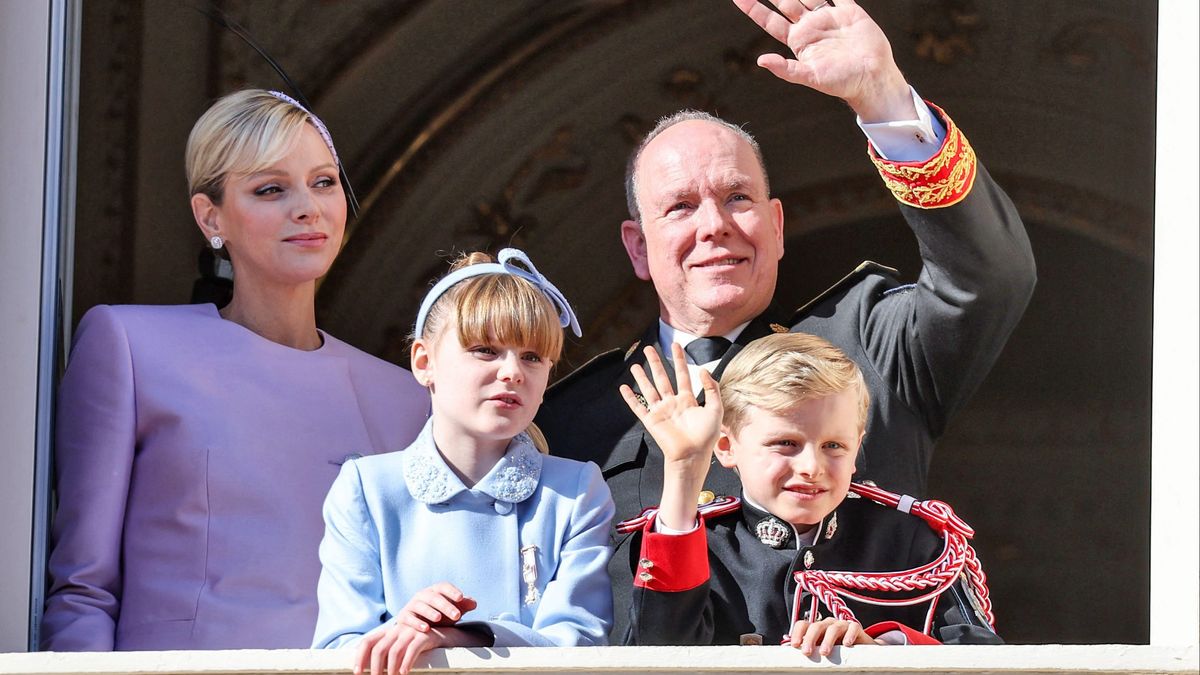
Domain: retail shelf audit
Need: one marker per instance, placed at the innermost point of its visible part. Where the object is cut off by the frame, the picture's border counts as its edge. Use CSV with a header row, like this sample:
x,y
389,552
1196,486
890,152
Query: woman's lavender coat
x,y
192,459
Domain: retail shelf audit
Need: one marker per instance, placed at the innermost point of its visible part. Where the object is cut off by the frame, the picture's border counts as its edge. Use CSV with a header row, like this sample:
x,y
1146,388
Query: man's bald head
x,y
631,168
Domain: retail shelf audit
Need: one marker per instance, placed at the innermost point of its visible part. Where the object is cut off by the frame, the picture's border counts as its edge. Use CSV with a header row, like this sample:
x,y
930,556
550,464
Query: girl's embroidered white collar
x,y
431,481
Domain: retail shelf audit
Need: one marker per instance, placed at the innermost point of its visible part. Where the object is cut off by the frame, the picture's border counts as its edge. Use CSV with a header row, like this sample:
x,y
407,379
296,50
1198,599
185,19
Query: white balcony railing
x,y
1010,659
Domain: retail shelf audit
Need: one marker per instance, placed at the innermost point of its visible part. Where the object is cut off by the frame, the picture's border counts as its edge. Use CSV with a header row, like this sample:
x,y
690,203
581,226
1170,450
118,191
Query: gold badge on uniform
x,y
632,348
706,497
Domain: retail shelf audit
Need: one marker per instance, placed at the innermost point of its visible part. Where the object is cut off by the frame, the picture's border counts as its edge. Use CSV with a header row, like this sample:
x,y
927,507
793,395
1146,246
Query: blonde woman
x,y
195,444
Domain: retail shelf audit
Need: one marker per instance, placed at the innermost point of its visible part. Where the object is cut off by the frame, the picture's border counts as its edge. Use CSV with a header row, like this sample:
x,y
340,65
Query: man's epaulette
x,y
717,506
864,269
942,180
632,350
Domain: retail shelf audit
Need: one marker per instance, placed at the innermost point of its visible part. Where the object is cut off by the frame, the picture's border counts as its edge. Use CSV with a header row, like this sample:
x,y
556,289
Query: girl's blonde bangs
x,y
508,310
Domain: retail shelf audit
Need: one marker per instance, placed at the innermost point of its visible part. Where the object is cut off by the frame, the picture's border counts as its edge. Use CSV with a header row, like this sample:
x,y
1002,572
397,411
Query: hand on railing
x,y
425,623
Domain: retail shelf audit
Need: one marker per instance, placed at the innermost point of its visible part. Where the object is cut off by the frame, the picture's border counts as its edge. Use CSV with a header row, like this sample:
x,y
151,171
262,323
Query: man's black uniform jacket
x,y
923,348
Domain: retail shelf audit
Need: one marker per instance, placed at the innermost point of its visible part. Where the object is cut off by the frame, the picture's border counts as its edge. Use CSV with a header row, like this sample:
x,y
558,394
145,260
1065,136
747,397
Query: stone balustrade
x,y
1009,659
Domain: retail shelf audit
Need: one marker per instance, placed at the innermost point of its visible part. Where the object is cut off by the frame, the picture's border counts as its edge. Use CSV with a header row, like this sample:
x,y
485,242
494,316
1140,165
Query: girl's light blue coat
x,y
400,522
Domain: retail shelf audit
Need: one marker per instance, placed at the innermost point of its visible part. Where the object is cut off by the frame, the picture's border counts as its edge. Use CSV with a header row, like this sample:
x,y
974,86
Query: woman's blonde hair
x,y
241,133
497,307
780,370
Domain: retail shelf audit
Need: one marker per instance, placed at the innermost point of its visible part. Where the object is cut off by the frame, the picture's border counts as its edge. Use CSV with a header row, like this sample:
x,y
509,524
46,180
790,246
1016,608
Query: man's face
x,y
710,237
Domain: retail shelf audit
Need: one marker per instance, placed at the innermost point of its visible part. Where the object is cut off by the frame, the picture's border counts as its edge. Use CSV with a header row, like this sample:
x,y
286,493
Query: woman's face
x,y
284,225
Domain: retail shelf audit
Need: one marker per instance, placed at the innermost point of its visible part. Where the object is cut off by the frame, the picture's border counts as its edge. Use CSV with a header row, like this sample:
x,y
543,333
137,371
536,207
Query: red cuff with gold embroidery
x,y
942,180
672,562
915,637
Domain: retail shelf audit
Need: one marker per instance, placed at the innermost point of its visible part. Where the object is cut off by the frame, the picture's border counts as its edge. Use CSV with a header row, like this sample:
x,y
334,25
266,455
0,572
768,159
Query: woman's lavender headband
x,y
321,129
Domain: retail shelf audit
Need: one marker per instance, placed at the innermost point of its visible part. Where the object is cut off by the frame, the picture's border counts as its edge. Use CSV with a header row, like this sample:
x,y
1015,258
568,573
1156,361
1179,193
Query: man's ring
x,y
813,9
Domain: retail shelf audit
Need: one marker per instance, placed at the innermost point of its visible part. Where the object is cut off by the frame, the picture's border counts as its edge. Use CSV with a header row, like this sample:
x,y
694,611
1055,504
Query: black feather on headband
x,y
221,19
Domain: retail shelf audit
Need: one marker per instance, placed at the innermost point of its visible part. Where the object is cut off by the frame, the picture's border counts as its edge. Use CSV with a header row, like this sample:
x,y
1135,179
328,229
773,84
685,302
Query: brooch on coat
x,y
529,573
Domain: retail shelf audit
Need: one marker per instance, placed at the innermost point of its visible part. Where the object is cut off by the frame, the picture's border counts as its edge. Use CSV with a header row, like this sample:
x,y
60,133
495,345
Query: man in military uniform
x,y
704,229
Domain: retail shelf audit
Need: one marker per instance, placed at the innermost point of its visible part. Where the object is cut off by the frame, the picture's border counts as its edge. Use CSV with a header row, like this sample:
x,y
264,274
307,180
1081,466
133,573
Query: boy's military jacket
x,y
687,593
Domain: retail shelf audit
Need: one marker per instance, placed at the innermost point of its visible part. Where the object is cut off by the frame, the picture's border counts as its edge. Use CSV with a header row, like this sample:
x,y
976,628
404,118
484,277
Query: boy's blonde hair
x,y
501,307
778,371
241,133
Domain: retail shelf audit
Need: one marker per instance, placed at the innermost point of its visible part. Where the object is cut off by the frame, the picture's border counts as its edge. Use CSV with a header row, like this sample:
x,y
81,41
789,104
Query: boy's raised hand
x,y
685,431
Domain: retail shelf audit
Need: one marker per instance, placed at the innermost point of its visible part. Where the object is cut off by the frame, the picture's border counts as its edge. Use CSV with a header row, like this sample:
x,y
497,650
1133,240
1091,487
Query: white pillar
x,y
34,68
24,41
1174,501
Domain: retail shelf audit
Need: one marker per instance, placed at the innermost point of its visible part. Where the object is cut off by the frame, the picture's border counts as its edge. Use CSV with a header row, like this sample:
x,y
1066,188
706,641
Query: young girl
x,y
470,537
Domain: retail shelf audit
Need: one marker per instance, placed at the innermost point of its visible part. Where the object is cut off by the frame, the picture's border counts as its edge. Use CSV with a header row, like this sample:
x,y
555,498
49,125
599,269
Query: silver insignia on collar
x,y
831,527
773,532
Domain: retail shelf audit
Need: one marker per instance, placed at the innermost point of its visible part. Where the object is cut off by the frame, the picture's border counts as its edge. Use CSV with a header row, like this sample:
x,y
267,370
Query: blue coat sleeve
x,y
576,607
94,451
350,590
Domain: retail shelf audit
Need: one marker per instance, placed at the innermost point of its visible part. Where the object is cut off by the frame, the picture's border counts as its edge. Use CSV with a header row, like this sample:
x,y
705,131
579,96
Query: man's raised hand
x,y
837,50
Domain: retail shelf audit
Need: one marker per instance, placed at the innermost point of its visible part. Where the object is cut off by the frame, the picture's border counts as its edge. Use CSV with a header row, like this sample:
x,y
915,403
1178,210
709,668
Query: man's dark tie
x,y
705,349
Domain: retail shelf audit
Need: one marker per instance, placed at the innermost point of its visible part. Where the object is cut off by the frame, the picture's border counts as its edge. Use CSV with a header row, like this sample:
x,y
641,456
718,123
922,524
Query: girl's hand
x,y
684,430
441,604
826,634
394,649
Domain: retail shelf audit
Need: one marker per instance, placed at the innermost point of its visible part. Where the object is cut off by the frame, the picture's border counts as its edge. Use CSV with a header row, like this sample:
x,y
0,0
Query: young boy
x,y
793,418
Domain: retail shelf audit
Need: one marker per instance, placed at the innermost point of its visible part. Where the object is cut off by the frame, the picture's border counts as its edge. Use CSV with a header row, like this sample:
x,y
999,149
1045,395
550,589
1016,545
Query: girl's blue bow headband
x,y
511,261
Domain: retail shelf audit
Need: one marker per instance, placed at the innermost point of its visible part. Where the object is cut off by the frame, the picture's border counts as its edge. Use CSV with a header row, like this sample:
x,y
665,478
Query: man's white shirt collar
x,y
668,334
